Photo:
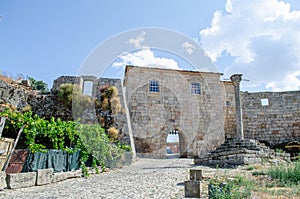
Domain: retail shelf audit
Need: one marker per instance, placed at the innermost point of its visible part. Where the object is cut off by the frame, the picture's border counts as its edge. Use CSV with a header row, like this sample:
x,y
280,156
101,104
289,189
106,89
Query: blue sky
x,y
47,39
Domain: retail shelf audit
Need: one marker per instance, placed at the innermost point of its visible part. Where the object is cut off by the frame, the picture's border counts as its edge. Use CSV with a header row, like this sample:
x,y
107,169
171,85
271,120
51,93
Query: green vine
x,y
39,134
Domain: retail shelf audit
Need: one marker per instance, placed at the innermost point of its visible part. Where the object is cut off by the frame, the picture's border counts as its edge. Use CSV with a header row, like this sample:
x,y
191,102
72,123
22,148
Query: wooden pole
x,y
10,154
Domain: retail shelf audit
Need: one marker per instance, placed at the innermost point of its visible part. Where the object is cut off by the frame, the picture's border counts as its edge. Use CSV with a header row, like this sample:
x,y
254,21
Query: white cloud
x,y
189,48
264,38
146,58
138,40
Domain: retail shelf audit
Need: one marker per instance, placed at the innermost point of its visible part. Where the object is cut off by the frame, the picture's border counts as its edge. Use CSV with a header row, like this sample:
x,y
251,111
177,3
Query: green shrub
x,y
70,136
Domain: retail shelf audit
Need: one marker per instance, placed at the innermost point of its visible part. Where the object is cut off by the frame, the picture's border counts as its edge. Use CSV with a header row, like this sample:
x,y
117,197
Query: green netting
x,y
57,159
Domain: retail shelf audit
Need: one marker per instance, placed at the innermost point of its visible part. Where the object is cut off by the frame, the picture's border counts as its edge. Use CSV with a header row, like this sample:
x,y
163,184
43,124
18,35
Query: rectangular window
x,y
154,86
196,88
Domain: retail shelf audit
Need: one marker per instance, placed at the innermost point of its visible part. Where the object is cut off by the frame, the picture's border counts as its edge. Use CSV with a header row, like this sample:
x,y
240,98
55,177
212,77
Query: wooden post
x,y
2,123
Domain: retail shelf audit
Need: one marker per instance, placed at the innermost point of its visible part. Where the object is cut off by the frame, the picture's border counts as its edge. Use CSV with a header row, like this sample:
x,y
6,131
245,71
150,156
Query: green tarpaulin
x,y
57,159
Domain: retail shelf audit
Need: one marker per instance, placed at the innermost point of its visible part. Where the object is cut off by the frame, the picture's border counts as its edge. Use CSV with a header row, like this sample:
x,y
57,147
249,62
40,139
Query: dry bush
x,y
113,133
115,105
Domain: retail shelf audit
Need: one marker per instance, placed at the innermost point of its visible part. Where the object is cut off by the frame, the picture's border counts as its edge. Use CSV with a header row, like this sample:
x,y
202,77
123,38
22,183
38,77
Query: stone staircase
x,y
234,152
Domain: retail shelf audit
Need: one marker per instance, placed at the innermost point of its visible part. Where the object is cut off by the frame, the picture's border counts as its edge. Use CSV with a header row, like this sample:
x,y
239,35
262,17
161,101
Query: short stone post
x,y
236,79
192,187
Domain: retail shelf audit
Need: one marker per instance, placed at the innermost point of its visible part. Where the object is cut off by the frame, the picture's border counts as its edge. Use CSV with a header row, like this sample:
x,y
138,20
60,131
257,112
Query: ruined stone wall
x,y
65,79
120,118
14,94
47,105
277,122
199,119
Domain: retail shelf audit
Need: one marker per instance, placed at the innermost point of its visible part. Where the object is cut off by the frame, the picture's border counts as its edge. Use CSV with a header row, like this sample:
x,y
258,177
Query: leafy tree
x,y
37,85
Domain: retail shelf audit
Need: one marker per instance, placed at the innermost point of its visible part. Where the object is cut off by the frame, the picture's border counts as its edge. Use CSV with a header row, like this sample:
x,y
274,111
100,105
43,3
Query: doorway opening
x,y
172,144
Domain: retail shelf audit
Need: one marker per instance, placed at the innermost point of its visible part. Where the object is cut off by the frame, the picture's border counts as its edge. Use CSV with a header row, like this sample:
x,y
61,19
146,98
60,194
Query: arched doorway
x,y
173,144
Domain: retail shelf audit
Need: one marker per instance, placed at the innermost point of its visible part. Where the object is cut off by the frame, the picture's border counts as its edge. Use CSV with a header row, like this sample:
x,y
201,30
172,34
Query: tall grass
x,y
238,188
286,175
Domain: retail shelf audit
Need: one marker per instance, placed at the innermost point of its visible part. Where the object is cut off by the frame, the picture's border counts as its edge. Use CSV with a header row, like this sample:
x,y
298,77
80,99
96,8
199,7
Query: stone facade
x,y
199,118
273,123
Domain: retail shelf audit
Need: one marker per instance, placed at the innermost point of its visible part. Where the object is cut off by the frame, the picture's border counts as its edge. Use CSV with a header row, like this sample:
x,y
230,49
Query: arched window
x,y
154,86
196,88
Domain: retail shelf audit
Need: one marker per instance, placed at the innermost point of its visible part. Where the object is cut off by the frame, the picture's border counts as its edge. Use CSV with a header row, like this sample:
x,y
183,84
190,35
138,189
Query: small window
x,y
264,102
196,88
154,86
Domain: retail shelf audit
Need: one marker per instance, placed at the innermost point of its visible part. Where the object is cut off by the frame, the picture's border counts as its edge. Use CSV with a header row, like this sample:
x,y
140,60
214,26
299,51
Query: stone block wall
x,y
275,123
199,119
65,79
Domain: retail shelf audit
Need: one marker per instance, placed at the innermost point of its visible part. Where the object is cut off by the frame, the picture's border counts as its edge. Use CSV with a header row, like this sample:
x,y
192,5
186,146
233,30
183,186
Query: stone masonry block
x,y
20,180
56,177
195,174
44,176
192,189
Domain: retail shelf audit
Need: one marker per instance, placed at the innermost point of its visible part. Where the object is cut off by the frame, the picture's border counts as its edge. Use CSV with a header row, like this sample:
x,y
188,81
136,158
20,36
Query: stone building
x,y
163,100
198,106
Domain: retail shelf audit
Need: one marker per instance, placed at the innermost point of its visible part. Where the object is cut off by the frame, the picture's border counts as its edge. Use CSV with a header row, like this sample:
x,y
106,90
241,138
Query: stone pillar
x,y
236,79
193,187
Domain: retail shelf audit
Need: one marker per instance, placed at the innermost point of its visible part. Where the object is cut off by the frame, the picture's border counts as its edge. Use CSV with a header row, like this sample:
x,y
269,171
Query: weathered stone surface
x,y
274,123
20,180
199,119
192,189
195,174
237,152
2,180
60,176
44,176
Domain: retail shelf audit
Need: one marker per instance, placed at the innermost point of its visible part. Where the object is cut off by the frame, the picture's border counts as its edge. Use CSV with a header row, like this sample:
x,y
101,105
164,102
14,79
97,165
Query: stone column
x,y
236,79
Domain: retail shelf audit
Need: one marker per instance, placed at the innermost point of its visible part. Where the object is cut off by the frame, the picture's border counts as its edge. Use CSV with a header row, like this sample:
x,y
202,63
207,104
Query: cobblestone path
x,y
146,178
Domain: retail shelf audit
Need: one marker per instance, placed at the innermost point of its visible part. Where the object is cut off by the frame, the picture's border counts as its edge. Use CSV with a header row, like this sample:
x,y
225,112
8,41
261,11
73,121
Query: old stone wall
x,y
14,94
65,79
199,119
47,105
271,117
120,119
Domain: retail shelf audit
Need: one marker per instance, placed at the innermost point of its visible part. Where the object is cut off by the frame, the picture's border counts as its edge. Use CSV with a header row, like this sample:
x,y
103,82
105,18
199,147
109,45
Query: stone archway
x,y
175,144
152,117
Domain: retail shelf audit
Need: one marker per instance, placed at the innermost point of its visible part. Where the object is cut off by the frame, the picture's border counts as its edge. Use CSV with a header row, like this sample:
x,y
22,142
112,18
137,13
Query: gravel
x,y
146,178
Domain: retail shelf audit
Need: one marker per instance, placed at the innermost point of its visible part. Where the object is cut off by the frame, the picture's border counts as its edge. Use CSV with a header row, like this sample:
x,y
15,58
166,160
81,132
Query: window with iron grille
x,y
154,86
196,88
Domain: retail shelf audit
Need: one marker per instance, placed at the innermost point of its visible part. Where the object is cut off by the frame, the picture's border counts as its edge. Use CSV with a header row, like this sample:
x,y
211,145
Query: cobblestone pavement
x,y
146,178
